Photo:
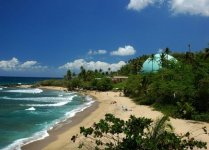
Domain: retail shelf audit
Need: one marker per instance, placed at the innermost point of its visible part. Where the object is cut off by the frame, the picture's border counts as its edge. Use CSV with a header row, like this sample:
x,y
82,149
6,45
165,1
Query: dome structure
x,y
153,65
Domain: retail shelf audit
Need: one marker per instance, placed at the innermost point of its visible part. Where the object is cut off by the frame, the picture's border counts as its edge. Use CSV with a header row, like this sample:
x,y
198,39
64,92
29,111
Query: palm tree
x,y
162,59
100,70
82,73
109,70
189,46
68,76
167,51
160,127
152,58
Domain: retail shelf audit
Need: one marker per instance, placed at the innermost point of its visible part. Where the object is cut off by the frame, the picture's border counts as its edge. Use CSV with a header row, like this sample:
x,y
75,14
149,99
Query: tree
x,y
74,83
68,76
104,84
152,58
189,47
82,74
109,70
162,59
167,52
133,86
206,52
114,133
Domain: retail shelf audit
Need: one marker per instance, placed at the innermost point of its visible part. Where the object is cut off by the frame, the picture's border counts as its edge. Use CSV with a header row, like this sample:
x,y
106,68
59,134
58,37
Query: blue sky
x,y
47,37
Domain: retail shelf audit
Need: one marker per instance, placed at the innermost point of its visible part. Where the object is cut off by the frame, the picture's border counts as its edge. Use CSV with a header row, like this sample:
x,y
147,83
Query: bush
x,y
113,133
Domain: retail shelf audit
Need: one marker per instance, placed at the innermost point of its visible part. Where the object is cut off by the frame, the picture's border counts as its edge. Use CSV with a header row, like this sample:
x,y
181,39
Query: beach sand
x,y
53,88
59,139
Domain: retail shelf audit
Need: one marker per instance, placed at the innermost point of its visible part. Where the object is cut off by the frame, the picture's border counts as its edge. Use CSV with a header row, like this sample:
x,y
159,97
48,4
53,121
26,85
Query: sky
x,y
44,38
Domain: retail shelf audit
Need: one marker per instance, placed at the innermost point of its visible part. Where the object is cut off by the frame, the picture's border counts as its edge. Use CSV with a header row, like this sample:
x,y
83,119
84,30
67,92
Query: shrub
x,y
113,133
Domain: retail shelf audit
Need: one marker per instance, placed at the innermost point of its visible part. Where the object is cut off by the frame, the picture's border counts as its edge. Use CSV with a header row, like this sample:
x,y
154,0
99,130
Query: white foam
x,y
33,91
62,103
81,108
1,88
31,108
73,112
48,105
16,145
40,99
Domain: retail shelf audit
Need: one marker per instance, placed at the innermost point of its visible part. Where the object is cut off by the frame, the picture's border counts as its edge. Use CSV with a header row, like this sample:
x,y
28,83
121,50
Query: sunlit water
x,y
27,114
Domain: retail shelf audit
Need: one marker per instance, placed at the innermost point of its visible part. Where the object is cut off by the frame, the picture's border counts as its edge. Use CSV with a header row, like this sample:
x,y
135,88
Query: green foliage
x,y
119,85
183,84
184,110
102,84
68,76
203,95
133,66
89,80
135,134
133,86
74,83
53,82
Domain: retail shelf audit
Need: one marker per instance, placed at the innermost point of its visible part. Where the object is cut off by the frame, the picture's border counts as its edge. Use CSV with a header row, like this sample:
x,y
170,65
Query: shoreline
x,y
63,126
74,118
60,128
123,108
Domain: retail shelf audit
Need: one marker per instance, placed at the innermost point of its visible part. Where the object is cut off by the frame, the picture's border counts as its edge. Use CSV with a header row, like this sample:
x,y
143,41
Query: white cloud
x,y
9,64
28,64
92,65
192,7
14,64
98,52
124,51
138,5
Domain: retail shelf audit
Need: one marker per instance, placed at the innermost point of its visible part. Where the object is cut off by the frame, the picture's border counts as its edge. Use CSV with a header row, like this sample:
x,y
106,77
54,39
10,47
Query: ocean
x,y
27,114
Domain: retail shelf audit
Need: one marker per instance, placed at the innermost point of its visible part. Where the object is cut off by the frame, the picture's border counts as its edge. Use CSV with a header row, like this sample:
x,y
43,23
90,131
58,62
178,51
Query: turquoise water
x,y
27,114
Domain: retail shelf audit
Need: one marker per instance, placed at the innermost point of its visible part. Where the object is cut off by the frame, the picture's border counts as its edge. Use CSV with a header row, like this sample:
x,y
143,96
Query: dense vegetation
x,y
180,89
85,79
113,133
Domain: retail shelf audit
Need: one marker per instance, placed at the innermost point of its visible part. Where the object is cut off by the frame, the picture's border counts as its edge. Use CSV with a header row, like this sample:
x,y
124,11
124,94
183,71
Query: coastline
x,y
123,108
60,128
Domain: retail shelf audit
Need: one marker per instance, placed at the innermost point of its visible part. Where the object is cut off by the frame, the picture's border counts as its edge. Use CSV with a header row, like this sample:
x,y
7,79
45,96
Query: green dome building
x,y
154,65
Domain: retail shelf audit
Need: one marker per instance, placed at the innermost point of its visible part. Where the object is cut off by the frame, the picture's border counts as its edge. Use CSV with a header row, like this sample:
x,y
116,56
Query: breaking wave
x,y
33,91
31,108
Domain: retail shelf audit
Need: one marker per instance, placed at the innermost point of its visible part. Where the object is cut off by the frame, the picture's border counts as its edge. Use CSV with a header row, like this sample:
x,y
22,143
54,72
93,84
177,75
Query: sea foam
x,y
31,108
33,91
48,105
58,104
16,145
39,99
81,108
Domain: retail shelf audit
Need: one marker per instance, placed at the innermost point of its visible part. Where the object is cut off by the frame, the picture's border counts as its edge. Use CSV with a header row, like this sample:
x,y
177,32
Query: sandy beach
x,y
123,108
